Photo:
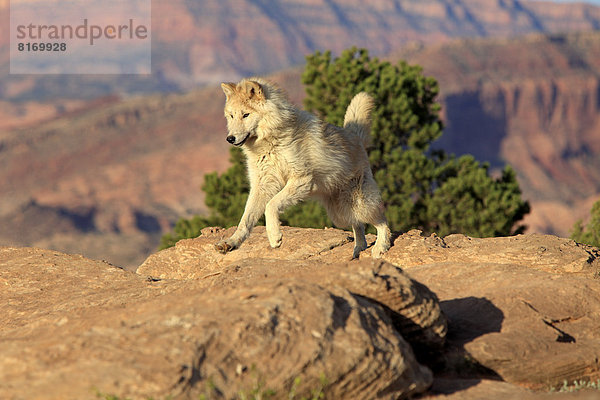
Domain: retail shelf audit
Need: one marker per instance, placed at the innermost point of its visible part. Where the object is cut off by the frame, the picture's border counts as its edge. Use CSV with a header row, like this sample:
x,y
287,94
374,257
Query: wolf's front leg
x,y
293,192
255,207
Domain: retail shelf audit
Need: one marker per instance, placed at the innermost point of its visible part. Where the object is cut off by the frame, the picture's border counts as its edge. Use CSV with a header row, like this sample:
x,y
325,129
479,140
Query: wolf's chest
x,y
266,160
271,164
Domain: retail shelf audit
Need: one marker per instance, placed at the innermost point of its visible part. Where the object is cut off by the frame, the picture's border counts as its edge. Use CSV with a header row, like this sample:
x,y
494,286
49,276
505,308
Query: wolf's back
x,y
358,116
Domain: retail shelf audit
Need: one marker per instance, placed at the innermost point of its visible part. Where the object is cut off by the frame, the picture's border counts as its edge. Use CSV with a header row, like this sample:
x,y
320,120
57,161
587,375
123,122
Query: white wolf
x,y
293,155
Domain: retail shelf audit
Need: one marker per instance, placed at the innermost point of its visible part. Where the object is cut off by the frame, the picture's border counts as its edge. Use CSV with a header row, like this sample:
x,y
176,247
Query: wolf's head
x,y
242,110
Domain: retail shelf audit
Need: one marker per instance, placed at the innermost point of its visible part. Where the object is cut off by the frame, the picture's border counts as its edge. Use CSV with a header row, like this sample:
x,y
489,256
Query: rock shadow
x,y
471,317
341,312
468,319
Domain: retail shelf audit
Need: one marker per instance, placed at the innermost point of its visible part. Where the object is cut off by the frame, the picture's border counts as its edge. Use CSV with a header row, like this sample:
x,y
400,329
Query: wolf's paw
x,y
378,251
357,251
358,248
224,246
275,240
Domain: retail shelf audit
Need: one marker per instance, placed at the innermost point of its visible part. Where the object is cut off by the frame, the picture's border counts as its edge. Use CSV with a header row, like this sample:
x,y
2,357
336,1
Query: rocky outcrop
x,y
413,308
70,326
193,322
523,309
529,327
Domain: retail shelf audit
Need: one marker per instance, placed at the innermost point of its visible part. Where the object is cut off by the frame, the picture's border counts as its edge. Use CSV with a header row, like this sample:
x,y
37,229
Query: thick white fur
x,y
292,155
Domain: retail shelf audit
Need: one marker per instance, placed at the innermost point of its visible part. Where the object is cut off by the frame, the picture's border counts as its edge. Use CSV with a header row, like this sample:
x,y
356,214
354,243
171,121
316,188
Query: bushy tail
x,y
358,117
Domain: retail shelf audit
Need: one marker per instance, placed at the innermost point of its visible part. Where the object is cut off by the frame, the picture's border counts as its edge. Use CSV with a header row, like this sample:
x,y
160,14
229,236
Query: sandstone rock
x,y
258,318
303,255
70,326
479,389
541,252
524,309
189,258
529,327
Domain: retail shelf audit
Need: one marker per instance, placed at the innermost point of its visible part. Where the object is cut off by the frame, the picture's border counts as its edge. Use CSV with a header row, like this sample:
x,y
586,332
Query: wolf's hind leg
x,y
368,208
293,192
377,219
360,242
382,244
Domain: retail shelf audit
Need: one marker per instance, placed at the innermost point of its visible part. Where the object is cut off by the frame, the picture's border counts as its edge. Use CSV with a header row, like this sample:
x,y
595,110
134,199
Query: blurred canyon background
x,y
103,165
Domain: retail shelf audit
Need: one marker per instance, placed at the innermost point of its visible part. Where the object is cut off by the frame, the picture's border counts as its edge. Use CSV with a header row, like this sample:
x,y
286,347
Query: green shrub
x,y
589,234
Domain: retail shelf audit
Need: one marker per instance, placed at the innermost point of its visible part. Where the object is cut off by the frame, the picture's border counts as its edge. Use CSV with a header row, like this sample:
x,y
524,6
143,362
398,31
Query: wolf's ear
x,y
228,88
253,90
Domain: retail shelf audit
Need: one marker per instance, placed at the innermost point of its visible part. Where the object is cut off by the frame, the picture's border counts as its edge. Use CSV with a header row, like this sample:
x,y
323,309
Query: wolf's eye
x,y
231,116
245,115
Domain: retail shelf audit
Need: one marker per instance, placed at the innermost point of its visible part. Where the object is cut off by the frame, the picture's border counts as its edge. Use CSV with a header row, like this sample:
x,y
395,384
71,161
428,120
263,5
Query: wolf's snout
x,y
231,139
